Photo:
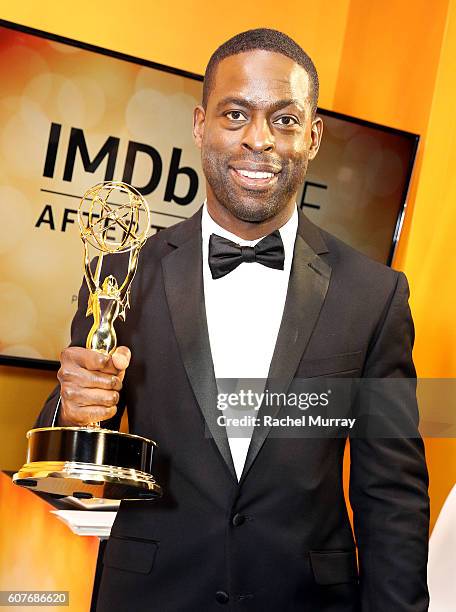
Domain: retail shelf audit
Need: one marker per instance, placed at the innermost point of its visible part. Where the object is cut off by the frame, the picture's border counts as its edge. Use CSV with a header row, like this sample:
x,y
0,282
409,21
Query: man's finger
x,y
121,357
81,397
85,358
118,362
83,378
88,414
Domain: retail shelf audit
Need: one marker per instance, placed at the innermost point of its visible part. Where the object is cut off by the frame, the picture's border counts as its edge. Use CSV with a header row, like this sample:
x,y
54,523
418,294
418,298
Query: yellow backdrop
x,y
388,62
42,554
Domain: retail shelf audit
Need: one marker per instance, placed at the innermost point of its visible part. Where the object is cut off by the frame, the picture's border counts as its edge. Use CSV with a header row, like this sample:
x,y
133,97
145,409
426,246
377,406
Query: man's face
x,y
257,134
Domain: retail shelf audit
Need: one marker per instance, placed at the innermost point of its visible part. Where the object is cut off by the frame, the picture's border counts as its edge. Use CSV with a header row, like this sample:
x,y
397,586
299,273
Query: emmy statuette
x,y
91,463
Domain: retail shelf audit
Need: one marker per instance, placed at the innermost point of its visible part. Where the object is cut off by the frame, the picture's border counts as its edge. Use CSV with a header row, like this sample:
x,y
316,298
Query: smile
x,y
251,179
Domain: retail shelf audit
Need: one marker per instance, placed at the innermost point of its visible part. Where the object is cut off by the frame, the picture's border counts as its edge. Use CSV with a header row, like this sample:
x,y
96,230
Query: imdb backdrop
x,y
63,106
72,117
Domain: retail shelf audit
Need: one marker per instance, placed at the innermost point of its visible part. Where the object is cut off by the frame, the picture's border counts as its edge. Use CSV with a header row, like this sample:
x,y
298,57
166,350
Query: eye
x,y
235,115
287,120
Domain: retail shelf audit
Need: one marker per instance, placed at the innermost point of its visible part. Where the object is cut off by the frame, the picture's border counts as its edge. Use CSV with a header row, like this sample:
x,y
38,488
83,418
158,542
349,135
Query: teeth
x,y
255,175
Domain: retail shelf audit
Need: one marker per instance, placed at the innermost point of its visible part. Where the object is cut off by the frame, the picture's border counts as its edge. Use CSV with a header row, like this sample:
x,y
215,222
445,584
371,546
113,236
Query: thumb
x,y
121,358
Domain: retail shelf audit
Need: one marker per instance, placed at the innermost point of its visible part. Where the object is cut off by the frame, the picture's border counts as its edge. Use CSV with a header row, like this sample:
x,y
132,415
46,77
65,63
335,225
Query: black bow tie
x,y
225,256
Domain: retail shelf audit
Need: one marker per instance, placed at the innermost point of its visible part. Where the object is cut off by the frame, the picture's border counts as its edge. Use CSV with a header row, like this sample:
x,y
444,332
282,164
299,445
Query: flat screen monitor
x,y
72,115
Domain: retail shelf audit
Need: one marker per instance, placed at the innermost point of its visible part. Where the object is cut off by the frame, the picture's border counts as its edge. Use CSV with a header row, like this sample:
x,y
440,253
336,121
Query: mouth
x,y
254,180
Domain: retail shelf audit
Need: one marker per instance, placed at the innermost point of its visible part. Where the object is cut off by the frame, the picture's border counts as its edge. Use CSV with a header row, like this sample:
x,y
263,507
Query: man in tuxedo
x,y
249,287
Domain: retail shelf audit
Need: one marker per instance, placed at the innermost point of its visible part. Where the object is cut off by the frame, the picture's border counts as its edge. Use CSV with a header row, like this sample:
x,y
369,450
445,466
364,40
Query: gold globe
x,y
113,217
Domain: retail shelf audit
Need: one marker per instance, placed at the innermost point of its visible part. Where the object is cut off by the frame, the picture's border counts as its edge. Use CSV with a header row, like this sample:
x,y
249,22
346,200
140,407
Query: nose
x,y
258,137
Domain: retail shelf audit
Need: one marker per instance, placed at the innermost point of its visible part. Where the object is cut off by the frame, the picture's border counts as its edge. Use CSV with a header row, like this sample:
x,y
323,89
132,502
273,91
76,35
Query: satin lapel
x,y
307,288
183,278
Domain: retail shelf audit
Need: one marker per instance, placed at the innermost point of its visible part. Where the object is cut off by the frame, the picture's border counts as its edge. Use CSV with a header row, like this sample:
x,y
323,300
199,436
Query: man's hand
x,y
90,383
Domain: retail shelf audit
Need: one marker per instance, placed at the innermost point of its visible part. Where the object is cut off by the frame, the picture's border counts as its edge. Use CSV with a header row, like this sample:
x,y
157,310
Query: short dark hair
x,y
263,39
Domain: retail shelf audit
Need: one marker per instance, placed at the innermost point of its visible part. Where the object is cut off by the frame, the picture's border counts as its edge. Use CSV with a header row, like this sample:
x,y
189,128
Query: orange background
x,y
388,62
43,554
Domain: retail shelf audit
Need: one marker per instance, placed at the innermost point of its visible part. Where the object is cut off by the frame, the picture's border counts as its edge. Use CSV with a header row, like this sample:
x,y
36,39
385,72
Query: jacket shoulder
x,y
166,239
357,273
343,255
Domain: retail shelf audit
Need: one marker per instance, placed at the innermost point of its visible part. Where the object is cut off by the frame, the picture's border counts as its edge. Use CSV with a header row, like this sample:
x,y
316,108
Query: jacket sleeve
x,y
80,328
388,475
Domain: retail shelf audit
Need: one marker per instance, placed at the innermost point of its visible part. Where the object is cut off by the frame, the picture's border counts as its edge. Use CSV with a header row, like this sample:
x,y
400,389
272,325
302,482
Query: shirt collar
x,y
287,232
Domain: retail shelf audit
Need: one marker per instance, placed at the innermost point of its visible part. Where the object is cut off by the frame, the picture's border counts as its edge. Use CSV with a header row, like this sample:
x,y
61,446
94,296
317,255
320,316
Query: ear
x,y
315,135
199,117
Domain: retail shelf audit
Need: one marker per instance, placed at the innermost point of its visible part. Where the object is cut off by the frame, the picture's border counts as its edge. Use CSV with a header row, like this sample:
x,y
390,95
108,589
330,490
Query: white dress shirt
x,y
244,311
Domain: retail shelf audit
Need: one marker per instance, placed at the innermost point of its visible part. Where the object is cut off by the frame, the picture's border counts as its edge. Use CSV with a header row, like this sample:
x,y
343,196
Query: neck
x,y
246,229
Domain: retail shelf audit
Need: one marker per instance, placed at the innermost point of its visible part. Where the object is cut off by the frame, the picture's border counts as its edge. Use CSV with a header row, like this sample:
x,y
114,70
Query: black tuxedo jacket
x,y
279,540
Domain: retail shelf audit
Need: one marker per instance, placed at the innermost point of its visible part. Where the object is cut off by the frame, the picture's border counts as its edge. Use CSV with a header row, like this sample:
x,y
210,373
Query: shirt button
x,y
238,519
222,597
